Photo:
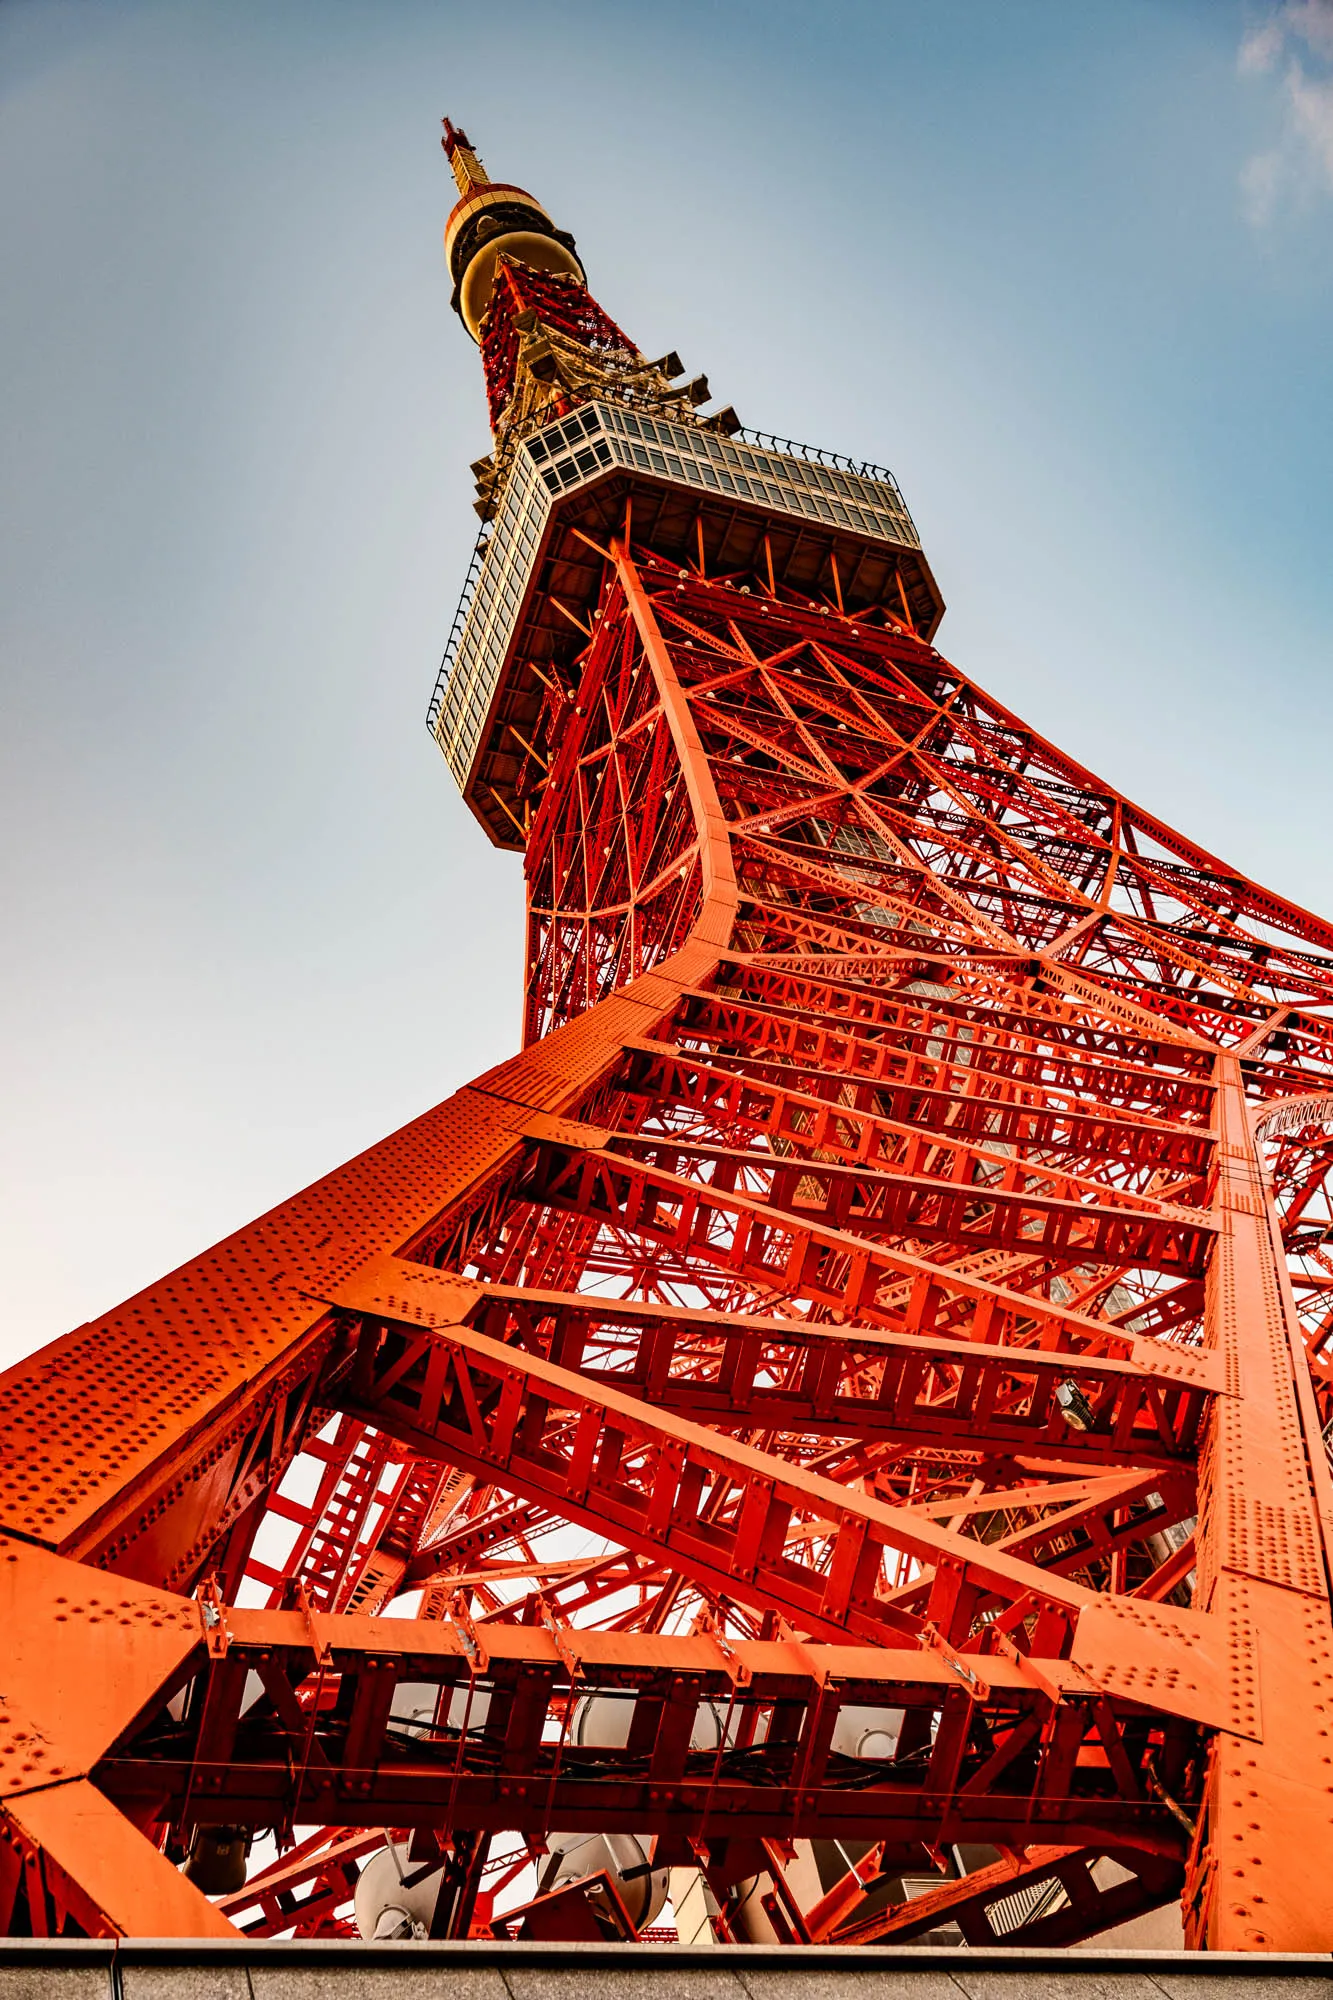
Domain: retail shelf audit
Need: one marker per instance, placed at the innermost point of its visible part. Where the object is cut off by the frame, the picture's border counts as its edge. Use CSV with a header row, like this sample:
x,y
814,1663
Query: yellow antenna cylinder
x,y
468,171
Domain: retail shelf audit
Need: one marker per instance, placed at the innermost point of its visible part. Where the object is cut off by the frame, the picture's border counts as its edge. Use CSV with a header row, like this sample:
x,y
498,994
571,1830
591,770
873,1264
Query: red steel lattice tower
x,y
843,1410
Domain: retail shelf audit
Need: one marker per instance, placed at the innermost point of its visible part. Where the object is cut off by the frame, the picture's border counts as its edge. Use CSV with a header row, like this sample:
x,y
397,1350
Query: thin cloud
x,y
1294,44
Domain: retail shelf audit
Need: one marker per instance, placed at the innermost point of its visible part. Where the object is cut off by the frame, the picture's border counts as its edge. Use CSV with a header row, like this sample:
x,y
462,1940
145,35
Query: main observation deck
x,y
803,519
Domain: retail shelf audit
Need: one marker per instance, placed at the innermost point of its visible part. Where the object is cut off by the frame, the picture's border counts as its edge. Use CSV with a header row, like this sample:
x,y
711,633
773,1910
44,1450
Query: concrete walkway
x,y
183,1970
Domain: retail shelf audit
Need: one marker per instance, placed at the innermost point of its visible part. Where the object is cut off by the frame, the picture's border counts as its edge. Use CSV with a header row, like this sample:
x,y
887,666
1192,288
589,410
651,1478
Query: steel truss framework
x,y
891,1281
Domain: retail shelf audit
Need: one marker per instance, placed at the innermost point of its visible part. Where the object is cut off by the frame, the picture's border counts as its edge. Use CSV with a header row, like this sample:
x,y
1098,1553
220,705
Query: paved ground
x,y
144,1970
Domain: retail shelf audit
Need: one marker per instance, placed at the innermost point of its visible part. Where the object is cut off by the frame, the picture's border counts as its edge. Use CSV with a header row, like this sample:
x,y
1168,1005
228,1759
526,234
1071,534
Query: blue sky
x,y
1067,269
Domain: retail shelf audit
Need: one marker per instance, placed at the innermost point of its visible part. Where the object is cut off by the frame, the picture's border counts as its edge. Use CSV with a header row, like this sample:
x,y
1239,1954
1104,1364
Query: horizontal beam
x,y
424,1723
1145,1400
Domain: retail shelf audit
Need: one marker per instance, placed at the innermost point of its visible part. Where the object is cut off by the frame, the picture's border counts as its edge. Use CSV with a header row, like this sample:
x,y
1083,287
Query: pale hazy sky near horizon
x,y
1067,269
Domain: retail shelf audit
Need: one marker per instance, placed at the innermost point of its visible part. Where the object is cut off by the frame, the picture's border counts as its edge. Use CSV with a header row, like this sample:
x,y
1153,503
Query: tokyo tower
x,y
828,1443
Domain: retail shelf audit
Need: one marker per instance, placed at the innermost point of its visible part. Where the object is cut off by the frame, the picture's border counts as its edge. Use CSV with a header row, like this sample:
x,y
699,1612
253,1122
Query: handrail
x,y
456,629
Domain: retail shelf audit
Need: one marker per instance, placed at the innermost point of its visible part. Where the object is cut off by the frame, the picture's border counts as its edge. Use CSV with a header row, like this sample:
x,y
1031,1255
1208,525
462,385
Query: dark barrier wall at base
x,y
40,1969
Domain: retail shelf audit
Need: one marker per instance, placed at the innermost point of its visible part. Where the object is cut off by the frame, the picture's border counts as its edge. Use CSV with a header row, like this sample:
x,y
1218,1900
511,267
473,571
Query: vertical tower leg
x,y
1259,1873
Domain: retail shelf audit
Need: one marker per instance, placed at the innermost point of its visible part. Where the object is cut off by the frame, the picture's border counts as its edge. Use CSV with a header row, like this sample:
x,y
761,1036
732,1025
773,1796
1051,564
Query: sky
x,y
1068,270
